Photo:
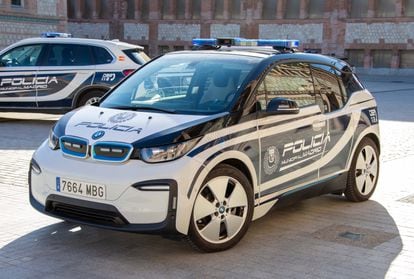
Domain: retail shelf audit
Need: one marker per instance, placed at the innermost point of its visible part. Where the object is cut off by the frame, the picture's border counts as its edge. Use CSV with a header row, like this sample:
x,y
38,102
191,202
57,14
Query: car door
x,y
339,121
18,76
291,144
66,69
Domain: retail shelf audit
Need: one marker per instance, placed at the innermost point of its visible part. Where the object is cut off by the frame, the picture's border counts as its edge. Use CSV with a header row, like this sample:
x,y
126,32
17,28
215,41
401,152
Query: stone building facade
x,y
21,19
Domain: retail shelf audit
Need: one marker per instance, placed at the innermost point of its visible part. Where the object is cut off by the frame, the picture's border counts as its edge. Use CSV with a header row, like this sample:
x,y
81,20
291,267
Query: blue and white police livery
x,y
57,73
200,143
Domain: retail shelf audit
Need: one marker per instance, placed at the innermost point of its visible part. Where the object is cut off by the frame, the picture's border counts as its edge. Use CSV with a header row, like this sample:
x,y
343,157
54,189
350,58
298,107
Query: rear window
x,y
102,56
137,55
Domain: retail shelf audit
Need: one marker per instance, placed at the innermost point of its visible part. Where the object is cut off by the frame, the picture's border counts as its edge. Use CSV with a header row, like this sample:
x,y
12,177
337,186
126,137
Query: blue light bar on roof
x,y
55,35
245,42
204,42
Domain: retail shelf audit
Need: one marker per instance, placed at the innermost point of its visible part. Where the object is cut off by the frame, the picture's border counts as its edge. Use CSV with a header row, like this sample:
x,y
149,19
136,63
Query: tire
x,y
222,211
89,98
363,175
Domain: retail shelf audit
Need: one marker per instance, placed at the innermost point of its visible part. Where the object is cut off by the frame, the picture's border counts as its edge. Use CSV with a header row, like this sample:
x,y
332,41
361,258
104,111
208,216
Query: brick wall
x,y
89,30
31,19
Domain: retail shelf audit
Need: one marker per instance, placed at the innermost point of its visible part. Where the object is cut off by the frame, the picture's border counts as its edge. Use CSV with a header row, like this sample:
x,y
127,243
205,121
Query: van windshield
x,y
184,83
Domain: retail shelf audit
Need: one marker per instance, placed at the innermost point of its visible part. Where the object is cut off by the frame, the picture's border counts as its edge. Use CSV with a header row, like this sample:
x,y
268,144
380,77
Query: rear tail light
x,y
127,72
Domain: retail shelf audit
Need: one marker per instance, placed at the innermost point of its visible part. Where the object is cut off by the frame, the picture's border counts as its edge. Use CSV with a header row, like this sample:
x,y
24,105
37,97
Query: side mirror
x,y
282,106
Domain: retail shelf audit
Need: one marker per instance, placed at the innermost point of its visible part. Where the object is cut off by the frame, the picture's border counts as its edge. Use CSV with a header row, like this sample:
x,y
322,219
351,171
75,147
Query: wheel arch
x,y
241,166
372,133
375,139
235,158
78,96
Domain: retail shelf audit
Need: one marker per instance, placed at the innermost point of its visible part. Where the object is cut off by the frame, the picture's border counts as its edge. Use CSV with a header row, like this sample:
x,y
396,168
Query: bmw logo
x,y
98,135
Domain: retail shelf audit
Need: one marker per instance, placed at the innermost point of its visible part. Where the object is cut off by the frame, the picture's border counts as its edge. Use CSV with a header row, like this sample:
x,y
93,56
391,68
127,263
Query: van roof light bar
x,y
55,35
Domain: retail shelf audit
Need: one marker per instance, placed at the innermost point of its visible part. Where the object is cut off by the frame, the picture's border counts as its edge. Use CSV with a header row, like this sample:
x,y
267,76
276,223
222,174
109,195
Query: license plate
x,y
80,188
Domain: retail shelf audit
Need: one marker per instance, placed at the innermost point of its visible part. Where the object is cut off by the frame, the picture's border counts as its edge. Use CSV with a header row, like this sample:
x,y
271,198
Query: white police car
x,y
57,73
200,143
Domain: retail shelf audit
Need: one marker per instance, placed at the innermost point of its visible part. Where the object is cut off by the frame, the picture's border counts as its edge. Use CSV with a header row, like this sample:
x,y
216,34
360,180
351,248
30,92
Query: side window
x,y
291,81
350,81
21,56
68,55
102,56
329,94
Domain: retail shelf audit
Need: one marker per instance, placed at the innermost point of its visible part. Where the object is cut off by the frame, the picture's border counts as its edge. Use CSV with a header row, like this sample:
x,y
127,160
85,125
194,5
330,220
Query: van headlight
x,y
53,140
167,152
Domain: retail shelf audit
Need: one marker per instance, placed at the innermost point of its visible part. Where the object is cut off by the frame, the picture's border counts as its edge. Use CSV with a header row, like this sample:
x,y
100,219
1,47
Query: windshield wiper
x,y
143,108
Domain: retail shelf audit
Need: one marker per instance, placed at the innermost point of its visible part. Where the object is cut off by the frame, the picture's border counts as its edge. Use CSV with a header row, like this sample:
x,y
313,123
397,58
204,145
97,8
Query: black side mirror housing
x,y
282,106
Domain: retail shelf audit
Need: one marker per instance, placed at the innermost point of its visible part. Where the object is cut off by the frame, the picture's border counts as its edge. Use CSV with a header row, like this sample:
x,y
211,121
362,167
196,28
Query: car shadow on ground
x,y
320,237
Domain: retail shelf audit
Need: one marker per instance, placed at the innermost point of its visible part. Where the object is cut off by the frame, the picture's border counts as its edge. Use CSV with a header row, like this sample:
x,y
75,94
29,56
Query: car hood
x,y
141,128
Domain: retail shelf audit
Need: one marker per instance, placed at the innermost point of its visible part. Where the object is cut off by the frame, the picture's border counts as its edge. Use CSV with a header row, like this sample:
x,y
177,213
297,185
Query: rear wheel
x,y
90,98
363,175
222,210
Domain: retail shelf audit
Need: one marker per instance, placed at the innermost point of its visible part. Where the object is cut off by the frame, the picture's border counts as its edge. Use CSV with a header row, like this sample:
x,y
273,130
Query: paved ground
x,y
325,237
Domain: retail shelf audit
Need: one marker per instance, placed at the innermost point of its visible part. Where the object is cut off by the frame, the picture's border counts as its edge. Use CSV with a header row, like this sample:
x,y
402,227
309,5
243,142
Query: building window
x,y
166,9
71,9
292,9
381,58
196,9
269,9
316,8
359,8
178,48
163,49
105,7
145,9
219,9
236,9
407,59
16,3
385,8
356,57
409,8
131,9
180,9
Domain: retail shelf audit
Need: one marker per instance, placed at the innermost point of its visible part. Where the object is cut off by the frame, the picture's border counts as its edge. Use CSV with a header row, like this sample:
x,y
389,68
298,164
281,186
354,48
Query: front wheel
x,y
223,210
363,175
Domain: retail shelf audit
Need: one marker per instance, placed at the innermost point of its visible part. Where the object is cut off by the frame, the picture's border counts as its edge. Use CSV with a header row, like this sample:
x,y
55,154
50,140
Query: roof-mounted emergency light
x,y
217,42
55,35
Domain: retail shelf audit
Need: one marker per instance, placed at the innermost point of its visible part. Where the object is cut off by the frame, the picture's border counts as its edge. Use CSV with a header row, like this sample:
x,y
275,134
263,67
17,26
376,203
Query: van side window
x,y
21,56
329,94
291,81
102,56
68,55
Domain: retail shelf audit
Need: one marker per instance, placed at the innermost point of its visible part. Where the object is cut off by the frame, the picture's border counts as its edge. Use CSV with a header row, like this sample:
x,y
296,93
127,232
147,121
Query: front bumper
x,y
140,197
105,215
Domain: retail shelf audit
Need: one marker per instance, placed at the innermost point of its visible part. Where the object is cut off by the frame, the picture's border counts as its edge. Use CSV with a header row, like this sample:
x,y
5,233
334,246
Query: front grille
x,y
111,151
84,214
74,146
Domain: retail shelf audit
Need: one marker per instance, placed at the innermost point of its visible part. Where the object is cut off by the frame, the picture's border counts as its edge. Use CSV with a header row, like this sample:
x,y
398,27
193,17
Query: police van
x,y
200,143
57,73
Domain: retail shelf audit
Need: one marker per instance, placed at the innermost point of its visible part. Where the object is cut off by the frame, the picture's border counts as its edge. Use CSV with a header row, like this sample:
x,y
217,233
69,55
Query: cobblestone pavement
x,y
324,237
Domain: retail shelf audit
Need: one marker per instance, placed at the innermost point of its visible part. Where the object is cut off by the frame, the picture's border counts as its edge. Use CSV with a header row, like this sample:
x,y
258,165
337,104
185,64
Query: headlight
x,y
168,152
53,140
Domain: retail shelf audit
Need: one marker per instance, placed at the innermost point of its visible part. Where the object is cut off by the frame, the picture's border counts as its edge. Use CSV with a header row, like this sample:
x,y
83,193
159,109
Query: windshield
x,y
184,83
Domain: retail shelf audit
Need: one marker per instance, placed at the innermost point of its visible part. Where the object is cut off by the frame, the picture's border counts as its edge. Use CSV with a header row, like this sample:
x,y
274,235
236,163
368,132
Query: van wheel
x,y
363,175
90,98
223,210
